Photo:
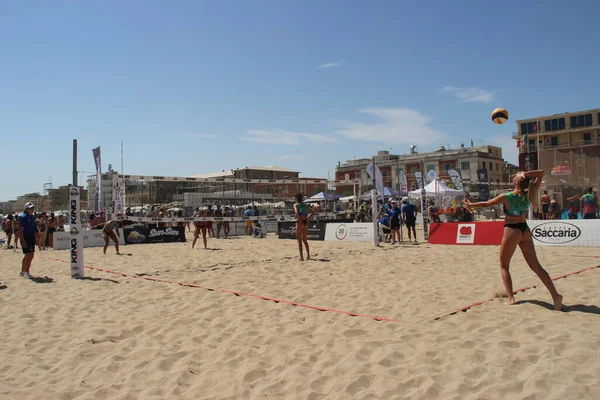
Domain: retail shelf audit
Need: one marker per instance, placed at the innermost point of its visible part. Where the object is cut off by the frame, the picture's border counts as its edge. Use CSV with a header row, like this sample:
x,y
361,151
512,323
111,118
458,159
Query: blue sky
x,y
193,87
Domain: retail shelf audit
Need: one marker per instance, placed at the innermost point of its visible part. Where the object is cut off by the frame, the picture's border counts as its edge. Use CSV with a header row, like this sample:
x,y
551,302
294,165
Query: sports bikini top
x,y
517,205
302,209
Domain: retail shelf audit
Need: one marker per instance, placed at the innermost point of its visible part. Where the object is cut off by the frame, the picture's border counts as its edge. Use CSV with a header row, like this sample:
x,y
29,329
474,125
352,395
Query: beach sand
x,y
119,337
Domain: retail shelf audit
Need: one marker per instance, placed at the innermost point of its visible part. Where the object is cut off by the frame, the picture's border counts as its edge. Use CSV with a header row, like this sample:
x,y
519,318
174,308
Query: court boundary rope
x,y
243,294
467,308
323,309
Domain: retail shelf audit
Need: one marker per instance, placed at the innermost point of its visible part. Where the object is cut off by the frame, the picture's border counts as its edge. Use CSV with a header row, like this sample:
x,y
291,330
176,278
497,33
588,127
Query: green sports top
x,y
517,205
302,209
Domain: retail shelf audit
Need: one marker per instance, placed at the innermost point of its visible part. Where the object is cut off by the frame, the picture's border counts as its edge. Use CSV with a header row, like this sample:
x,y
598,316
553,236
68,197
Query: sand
x,y
119,337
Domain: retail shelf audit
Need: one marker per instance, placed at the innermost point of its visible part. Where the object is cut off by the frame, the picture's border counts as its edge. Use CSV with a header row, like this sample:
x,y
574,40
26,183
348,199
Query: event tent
x,y
437,188
322,196
387,192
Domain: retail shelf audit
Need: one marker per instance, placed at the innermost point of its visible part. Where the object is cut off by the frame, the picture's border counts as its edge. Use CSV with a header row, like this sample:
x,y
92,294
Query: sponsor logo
x,y
556,232
74,253
158,177
73,213
341,232
167,231
135,237
74,231
465,233
74,191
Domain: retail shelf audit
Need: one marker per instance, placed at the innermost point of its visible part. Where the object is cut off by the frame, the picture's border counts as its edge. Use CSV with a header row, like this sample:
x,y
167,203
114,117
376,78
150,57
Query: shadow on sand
x,y
89,278
584,308
40,279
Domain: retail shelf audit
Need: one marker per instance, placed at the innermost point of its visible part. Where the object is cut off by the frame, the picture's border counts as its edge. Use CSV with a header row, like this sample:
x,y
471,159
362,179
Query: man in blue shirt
x,y
410,217
386,228
395,221
28,238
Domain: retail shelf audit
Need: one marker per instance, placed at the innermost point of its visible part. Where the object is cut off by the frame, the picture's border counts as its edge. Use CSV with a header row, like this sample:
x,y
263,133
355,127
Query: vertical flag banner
x,y
456,179
119,195
403,182
484,187
76,232
98,196
419,179
431,175
374,169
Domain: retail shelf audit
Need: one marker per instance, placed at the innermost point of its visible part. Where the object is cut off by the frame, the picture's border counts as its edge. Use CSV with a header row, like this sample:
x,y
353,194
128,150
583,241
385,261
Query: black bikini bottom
x,y
522,226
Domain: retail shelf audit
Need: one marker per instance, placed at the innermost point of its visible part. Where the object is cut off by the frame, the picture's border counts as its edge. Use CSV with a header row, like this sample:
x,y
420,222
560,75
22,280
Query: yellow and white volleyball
x,y
499,116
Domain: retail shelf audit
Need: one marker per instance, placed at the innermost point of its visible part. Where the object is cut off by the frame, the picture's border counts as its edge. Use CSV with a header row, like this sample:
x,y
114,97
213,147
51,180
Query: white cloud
x,y
278,136
201,135
328,65
470,94
395,126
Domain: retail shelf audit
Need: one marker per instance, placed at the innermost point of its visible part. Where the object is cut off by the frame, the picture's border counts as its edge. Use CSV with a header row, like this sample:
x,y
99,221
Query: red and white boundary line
x,y
325,309
466,308
242,294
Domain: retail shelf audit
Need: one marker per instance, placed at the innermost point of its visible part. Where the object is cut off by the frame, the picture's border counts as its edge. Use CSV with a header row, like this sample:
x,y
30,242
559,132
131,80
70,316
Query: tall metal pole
x,y
75,162
374,208
424,210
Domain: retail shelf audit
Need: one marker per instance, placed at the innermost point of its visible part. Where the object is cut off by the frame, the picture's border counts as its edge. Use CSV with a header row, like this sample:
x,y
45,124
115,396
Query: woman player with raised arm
x,y
516,231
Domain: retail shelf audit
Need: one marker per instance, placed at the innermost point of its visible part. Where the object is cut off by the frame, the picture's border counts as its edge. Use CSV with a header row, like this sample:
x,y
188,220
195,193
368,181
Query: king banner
x,y
76,232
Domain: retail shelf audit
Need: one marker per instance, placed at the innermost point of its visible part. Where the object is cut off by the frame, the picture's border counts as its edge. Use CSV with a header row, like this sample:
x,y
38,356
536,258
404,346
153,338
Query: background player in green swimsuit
x,y
516,231
108,232
302,217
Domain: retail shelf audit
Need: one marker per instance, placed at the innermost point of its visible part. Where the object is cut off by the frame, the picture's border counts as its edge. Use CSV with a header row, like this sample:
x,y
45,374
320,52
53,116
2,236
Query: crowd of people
x,y
584,206
45,226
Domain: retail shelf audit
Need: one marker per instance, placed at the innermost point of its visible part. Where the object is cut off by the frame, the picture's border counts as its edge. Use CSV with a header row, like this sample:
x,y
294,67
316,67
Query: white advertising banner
x,y
349,232
75,233
118,191
566,232
91,238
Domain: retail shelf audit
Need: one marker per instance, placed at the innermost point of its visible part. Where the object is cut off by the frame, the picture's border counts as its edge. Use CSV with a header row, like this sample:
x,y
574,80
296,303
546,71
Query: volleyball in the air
x,y
499,116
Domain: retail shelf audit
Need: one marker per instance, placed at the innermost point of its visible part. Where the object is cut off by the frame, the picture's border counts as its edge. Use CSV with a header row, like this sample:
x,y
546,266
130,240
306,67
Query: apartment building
x,y
466,160
566,146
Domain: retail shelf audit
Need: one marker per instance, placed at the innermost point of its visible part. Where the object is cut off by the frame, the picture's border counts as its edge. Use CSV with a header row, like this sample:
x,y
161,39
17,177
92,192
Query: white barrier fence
x,y
566,232
349,232
91,238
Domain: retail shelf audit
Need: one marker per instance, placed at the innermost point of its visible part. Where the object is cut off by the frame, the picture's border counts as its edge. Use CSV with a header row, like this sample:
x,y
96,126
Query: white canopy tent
x,y
440,191
436,188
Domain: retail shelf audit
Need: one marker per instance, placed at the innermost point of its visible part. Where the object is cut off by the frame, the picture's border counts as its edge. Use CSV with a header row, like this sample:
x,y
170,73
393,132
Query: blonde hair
x,y
528,185
533,195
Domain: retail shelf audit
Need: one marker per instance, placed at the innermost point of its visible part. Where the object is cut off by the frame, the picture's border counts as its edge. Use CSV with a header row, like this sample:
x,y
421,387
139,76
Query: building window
x,y
447,167
431,167
465,166
579,121
555,124
554,140
587,138
529,127
384,172
483,165
531,145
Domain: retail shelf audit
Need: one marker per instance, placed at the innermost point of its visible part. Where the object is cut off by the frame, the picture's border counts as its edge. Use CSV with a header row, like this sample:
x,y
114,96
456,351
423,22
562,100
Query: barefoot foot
x,y
558,303
511,302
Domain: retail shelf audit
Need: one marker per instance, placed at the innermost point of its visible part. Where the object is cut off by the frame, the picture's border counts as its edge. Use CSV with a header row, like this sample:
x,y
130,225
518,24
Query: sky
x,y
193,87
